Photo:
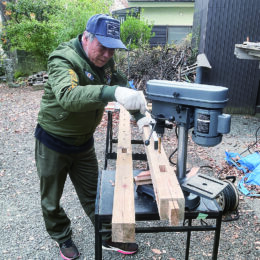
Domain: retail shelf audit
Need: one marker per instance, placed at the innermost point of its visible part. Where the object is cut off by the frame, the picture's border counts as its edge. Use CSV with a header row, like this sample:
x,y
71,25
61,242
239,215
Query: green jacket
x,y
76,93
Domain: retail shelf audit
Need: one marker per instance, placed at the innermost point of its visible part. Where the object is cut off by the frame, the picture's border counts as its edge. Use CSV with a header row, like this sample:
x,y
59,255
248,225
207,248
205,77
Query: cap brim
x,y
110,42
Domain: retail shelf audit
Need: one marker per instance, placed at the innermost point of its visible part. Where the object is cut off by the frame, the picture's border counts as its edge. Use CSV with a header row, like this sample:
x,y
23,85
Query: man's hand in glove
x,y
144,121
130,99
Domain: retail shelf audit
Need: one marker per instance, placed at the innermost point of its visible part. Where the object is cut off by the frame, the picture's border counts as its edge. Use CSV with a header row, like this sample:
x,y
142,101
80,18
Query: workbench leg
x,y
108,136
217,237
98,239
188,241
111,133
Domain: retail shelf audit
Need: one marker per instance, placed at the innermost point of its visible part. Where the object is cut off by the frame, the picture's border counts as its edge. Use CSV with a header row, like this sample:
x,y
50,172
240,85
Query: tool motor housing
x,y
192,105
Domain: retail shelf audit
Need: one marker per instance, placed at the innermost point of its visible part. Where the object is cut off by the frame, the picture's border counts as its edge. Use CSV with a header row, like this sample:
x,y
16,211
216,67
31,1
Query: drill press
x,y
191,106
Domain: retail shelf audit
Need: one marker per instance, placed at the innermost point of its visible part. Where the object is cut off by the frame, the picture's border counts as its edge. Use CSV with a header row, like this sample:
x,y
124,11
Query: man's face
x,y
97,53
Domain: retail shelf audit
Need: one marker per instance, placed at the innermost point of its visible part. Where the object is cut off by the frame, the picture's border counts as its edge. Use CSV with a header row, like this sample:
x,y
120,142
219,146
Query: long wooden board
x,y
166,186
123,219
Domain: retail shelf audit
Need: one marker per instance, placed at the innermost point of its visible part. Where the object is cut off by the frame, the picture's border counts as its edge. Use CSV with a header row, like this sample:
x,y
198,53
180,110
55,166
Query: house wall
x,y
172,16
166,13
218,26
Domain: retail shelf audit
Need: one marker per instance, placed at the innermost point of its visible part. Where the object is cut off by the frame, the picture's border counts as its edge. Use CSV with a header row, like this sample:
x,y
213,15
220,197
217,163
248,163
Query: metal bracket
x,y
204,186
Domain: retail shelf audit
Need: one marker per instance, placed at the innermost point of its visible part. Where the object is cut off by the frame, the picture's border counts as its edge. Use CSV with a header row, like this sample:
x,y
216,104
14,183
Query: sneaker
x,y
68,250
123,248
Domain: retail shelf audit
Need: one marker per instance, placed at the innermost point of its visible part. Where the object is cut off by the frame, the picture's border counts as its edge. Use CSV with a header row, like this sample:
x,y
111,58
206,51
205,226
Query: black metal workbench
x,y
146,210
109,154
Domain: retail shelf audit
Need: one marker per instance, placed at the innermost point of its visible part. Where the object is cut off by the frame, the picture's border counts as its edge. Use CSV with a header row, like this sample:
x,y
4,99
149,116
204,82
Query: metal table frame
x,y
109,154
146,210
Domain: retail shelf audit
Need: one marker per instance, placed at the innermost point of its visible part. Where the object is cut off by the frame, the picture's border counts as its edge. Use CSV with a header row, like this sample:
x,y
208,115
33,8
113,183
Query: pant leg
x,y
84,175
52,168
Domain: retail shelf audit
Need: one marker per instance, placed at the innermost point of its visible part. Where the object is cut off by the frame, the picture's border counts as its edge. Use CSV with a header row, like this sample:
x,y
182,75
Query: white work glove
x,y
144,121
130,99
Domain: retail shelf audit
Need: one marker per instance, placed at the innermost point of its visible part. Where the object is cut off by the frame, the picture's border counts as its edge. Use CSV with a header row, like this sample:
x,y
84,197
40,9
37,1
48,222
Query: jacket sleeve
x,y
70,94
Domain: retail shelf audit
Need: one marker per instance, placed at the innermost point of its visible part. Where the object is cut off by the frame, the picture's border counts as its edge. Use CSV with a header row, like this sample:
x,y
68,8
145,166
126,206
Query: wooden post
x,y
166,186
123,219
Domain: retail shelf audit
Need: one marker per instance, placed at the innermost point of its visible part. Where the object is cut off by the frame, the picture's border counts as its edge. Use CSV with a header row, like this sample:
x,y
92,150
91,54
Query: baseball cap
x,y
106,30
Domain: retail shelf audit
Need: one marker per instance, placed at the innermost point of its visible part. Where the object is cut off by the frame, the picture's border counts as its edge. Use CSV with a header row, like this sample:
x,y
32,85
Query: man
x,y
82,79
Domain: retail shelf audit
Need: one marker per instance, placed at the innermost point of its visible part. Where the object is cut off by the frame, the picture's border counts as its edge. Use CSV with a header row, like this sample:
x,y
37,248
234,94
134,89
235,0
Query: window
x,y
177,33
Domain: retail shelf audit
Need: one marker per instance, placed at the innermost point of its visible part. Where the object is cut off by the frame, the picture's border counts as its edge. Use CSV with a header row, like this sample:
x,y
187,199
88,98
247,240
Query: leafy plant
x,y
39,26
75,14
35,37
29,27
135,32
19,74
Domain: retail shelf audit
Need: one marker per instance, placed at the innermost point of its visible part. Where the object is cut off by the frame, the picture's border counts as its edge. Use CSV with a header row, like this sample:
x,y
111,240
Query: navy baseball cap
x,y
106,29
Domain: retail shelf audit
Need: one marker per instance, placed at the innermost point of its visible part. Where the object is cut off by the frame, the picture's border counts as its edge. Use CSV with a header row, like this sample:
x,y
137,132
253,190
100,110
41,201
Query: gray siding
x,y
160,35
218,26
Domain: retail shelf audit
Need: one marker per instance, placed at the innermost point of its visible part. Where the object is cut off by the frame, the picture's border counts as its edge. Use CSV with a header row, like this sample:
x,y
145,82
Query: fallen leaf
x,y
148,243
236,236
156,251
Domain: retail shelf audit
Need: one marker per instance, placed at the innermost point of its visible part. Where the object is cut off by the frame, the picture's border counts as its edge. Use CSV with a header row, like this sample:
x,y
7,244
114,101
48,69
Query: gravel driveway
x,y
23,235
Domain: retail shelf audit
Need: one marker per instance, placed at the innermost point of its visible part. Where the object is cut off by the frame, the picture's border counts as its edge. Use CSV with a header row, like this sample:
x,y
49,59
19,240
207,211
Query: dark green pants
x,y
53,168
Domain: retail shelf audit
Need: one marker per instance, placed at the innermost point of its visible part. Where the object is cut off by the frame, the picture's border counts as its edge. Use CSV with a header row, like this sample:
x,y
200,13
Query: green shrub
x,y
135,32
2,69
38,27
19,74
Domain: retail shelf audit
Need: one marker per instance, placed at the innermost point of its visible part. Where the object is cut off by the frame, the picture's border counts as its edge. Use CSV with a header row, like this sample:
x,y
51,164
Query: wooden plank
x,y
166,186
192,172
123,219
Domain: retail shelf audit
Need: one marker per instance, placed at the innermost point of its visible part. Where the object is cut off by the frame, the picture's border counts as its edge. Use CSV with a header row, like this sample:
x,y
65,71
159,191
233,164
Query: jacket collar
x,y
79,48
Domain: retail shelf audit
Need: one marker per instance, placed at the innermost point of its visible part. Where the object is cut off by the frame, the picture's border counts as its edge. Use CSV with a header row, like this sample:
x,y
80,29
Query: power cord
x,y
172,154
252,145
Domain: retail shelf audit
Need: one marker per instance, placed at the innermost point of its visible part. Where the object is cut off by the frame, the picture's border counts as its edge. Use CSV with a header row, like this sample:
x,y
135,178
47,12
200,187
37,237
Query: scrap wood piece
x,y
192,172
123,219
166,186
143,182
142,178
144,175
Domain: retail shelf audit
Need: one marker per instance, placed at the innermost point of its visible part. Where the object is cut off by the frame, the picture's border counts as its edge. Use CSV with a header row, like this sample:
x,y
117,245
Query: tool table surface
x,y
146,210
145,206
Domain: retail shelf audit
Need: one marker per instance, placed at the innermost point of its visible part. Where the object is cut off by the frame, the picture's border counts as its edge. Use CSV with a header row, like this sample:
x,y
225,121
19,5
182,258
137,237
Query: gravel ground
x,y
22,228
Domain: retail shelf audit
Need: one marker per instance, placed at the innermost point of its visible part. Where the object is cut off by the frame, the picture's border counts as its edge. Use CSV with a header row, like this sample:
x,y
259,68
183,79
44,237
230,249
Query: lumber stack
x,y
38,79
123,219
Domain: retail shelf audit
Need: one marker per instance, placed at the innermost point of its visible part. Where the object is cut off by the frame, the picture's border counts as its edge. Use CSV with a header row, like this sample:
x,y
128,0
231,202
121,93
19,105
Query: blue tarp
x,y
250,165
251,161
